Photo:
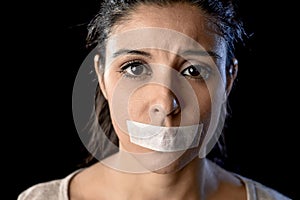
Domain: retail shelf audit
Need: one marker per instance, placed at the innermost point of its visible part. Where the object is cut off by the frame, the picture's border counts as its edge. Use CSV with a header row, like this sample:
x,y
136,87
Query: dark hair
x,y
222,13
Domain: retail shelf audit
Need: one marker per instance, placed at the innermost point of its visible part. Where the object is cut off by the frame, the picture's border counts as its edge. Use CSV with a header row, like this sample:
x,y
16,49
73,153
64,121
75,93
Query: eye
x,y
196,72
135,69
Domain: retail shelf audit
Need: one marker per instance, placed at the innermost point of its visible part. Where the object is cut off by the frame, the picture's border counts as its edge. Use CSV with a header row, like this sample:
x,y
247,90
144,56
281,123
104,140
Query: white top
x,y
58,190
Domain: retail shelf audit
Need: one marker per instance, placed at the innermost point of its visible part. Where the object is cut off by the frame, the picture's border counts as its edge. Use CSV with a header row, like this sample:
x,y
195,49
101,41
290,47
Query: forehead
x,y
183,18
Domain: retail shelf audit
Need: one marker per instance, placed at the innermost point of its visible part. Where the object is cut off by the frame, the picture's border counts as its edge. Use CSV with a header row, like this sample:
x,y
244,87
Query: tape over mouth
x,y
164,139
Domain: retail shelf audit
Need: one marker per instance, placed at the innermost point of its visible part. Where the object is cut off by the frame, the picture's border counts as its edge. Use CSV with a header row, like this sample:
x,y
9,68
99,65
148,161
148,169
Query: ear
x,y
231,73
100,74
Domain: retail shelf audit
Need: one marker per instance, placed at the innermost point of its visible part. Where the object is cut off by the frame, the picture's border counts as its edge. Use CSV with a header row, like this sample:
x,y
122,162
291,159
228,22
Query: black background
x,y
46,46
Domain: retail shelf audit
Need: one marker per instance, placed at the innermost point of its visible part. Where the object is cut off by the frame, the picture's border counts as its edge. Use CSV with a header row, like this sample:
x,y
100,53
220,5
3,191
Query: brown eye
x,y
193,71
196,71
135,69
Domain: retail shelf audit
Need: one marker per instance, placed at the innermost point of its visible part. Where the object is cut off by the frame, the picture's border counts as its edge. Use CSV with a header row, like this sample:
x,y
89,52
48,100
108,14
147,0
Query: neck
x,y
173,184
186,183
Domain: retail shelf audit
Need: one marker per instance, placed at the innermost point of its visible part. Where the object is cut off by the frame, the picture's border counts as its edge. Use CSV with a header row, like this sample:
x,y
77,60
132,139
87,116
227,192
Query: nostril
x,y
176,111
155,110
175,107
157,115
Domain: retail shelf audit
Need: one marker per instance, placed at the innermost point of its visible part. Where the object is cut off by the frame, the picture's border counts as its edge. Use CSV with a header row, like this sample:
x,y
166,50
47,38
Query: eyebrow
x,y
201,53
132,52
185,53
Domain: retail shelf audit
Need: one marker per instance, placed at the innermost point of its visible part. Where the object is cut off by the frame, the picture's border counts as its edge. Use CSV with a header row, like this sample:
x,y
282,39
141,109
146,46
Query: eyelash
x,y
132,63
200,69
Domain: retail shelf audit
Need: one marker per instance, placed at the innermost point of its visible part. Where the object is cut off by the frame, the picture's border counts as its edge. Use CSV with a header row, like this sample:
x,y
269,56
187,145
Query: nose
x,y
164,106
171,107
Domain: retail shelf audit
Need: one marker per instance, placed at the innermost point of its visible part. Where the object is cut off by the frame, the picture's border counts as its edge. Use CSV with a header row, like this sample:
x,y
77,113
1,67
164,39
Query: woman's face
x,y
164,66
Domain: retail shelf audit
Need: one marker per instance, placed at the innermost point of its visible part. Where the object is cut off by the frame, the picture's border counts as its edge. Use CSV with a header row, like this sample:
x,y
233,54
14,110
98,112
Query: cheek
x,y
124,141
204,107
204,101
138,106
110,83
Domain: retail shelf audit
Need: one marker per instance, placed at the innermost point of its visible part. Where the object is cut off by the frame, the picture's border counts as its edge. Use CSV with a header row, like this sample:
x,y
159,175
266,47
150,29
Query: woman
x,y
165,69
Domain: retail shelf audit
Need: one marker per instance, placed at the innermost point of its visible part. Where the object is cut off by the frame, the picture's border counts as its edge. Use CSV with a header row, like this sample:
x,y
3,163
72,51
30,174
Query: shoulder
x,y
40,191
254,189
55,189
258,191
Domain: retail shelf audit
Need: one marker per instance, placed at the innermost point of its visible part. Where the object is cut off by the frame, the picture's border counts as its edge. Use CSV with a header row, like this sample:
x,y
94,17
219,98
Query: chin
x,y
167,163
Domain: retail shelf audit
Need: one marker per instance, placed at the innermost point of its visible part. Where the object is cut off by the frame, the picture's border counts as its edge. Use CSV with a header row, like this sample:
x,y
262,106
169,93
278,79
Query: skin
x,y
205,179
